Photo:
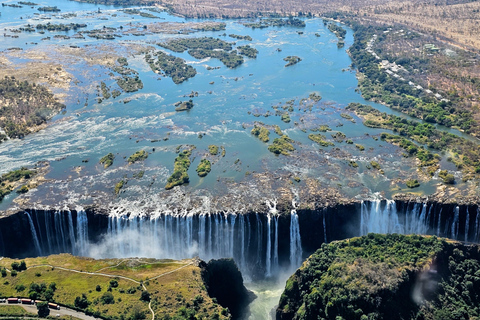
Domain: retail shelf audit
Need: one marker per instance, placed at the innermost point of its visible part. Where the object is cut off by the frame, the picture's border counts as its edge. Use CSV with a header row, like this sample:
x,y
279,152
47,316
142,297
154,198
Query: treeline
x,y
373,277
377,85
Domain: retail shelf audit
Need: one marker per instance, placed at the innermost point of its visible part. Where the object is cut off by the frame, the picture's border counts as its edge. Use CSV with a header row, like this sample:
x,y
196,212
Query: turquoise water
x,y
223,113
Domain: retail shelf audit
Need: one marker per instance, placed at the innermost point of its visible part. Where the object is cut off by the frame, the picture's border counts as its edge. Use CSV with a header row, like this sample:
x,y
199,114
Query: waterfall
x,y
34,235
439,221
477,222
455,223
295,241
82,231
324,225
467,225
275,244
268,262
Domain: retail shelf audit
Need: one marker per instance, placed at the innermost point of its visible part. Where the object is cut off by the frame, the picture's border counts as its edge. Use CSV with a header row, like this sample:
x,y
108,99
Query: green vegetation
x,y
447,178
236,36
140,13
119,186
173,67
377,85
292,60
412,183
347,116
180,168
282,145
373,277
206,47
138,156
49,9
277,130
360,147
213,149
126,293
261,133
320,139
13,311
339,33
130,84
248,51
53,27
9,181
204,167
42,309
25,106
339,136
107,160
467,153
286,117
375,165
184,105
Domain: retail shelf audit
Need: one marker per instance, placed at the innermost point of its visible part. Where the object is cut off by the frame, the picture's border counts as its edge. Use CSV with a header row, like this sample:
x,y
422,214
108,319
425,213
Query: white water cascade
x,y
34,234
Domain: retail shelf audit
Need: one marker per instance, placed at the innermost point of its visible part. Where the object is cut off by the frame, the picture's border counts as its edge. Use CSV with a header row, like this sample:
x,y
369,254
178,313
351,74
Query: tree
x,y
42,309
107,298
98,288
145,296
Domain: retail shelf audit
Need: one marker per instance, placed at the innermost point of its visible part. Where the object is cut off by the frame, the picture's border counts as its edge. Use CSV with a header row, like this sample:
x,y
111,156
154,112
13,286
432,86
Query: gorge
x,y
262,244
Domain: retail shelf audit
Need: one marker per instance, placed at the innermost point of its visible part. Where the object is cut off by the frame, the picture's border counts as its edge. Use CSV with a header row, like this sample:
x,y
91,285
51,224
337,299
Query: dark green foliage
x,y
413,183
138,156
261,133
447,178
173,67
130,83
107,298
107,160
98,288
180,175
248,51
204,167
282,145
113,283
82,302
145,296
373,277
19,266
42,309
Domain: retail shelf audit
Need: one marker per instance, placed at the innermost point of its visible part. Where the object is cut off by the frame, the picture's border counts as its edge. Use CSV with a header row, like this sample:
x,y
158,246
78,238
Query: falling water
x,y
467,226
34,235
477,222
269,248
455,223
295,241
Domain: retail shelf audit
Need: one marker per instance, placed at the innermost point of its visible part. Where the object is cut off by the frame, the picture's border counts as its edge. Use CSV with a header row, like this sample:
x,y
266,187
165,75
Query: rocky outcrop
x,y
224,282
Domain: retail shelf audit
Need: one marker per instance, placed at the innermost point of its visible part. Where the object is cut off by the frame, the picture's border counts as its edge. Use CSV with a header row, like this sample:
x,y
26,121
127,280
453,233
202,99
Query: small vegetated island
x,y
208,47
173,67
385,277
292,60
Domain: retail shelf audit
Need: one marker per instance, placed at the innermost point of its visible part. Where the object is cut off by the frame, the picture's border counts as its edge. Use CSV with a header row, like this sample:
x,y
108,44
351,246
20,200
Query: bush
x,y
42,309
145,296
98,288
107,298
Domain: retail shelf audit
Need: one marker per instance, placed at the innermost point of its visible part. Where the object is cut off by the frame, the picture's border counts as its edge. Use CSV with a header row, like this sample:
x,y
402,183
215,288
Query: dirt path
x,y
81,315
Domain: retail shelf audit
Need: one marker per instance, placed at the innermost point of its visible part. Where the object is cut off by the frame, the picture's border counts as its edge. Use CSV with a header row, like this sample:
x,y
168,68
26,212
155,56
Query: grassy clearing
x,y
170,288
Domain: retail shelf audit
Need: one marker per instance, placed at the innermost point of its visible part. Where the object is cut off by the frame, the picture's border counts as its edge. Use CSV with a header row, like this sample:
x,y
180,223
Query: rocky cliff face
x,y
385,277
224,282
